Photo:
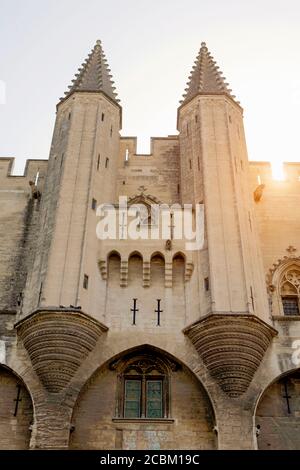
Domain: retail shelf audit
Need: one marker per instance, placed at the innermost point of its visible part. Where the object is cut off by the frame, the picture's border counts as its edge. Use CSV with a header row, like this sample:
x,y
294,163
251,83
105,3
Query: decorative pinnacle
x,y
94,75
205,77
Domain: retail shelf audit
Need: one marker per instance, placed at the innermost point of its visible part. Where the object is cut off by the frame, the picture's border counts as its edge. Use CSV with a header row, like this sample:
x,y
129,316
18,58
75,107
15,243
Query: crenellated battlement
x,y
142,294
130,143
261,172
33,168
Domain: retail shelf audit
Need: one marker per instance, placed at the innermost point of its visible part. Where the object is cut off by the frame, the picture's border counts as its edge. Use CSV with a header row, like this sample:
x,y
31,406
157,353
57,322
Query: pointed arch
x,y
157,269
16,411
97,422
135,268
114,267
179,254
277,414
179,264
113,253
284,287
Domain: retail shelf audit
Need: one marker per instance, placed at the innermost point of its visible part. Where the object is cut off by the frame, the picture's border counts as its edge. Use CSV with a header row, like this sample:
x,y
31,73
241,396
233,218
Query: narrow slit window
x,y
98,162
86,282
94,204
107,163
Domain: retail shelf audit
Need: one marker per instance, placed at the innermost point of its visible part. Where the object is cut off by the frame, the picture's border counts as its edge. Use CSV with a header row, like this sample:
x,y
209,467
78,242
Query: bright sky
x,y
150,47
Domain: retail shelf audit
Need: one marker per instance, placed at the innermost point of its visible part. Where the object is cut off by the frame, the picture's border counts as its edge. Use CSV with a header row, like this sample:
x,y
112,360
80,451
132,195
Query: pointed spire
x,y
205,78
94,75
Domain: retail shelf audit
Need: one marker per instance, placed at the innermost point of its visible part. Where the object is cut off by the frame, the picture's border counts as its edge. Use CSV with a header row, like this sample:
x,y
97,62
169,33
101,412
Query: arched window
x,y
290,291
144,389
157,269
114,264
178,269
135,268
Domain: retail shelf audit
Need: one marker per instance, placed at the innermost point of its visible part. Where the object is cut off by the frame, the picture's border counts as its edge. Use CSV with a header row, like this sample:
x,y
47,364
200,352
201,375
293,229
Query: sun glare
x,y
278,173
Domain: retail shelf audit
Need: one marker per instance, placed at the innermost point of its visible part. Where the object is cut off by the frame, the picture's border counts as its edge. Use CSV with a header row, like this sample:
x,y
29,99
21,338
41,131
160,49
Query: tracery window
x,y
290,291
143,389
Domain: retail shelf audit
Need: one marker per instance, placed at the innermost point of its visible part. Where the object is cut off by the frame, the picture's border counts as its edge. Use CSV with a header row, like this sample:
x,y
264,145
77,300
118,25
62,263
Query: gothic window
x,y
290,291
144,390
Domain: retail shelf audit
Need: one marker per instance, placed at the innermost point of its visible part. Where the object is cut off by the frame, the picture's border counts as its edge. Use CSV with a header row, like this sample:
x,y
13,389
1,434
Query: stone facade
x,y
216,330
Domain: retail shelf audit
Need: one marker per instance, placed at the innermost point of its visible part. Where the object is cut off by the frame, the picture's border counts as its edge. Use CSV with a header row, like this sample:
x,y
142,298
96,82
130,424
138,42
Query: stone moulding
x,y
58,341
232,347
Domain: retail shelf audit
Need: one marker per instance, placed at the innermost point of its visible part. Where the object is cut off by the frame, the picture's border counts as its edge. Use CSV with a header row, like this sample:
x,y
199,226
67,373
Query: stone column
x,y
235,426
51,430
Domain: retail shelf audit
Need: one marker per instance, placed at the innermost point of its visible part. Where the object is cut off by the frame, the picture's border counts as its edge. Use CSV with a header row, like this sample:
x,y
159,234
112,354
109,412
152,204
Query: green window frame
x,y
144,397
154,398
133,398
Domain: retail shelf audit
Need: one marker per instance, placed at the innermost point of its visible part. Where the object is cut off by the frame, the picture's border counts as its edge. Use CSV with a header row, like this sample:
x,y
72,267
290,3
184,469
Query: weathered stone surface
x,y
51,260
278,414
16,416
232,348
57,343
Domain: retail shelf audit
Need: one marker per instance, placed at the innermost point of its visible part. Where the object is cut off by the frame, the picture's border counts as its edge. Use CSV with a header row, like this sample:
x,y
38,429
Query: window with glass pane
x,y
132,408
154,399
290,305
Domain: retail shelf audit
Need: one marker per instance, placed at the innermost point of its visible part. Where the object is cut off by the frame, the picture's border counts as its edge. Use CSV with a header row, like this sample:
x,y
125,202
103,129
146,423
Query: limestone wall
x,y
278,211
15,421
191,426
19,226
157,172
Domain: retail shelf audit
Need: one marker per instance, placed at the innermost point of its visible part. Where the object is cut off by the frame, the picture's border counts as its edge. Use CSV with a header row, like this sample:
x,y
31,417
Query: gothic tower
x,y
142,342
214,169
82,173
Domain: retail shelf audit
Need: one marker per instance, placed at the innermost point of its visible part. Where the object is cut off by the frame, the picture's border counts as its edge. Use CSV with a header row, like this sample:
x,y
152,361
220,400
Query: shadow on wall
x,y
16,412
278,414
143,399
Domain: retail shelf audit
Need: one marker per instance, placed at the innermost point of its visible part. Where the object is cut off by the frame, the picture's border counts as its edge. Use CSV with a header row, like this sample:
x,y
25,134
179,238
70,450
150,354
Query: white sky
x,y
150,47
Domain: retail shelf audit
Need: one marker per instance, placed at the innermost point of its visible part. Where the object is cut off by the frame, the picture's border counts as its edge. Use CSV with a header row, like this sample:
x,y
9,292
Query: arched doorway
x,y
278,414
16,412
143,400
